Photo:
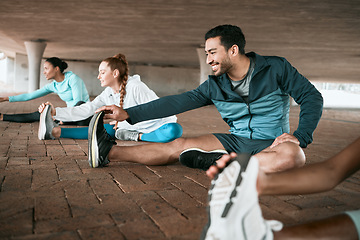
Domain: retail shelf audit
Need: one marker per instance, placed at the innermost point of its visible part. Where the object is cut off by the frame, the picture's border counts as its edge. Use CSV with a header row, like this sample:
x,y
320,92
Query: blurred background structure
x,y
163,40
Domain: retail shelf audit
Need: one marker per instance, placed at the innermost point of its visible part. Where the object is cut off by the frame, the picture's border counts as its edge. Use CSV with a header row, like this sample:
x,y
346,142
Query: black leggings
x,y
35,117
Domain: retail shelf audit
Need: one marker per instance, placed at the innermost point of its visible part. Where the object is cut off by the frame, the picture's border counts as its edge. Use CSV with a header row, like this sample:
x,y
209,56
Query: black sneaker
x,y
46,124
198,158
100,142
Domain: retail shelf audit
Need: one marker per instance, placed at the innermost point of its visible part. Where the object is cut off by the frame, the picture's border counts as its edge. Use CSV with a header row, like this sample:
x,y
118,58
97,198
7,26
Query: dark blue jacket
x,y
265,116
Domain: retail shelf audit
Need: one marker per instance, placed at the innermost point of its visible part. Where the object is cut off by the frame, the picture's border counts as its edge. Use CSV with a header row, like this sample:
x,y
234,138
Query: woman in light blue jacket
x,y
68,86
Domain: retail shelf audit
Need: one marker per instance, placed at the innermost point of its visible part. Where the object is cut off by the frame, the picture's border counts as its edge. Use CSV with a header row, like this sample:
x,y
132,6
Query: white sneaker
x,y
234,211
46,124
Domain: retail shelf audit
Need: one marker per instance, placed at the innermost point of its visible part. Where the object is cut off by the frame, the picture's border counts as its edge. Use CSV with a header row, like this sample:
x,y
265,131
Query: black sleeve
x,y
170,105
309,99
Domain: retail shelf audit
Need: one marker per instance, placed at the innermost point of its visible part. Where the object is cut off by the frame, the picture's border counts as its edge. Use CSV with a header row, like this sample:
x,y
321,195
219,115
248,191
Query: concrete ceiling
x,y
321,38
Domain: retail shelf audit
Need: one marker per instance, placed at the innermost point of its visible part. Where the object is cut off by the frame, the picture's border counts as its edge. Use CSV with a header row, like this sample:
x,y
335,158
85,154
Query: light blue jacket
x,y
265,116
71,90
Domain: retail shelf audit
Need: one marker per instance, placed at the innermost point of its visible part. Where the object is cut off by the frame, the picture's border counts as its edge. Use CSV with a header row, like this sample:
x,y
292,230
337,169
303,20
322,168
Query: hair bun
x,y
64,65
121,57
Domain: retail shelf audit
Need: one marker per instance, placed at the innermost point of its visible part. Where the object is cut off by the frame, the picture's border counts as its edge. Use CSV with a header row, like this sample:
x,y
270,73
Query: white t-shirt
x,y
137,93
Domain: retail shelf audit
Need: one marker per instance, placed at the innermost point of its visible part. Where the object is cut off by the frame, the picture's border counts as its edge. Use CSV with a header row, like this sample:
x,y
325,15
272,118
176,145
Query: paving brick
x,y
105,186
184,203
69,170
51,207
98,233
81,198
164,215
68,235
41,162
3,162
55,150
17,180
17,224
141,228
36,150
44,177
196,191
72,224
73,150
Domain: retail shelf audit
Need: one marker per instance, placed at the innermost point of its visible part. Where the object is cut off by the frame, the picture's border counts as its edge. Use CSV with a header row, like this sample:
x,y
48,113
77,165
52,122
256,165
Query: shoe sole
x,y
203,151
93,146
42,124
224,192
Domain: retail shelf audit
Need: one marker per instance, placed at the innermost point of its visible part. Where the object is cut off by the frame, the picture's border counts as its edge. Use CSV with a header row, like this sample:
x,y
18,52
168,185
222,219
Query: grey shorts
x,y
233,143
355,217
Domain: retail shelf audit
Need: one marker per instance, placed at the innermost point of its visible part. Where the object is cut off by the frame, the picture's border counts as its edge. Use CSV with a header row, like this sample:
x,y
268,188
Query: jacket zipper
x,y
251,131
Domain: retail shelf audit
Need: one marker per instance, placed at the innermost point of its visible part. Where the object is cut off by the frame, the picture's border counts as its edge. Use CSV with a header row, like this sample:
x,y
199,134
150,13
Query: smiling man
x,y
250,91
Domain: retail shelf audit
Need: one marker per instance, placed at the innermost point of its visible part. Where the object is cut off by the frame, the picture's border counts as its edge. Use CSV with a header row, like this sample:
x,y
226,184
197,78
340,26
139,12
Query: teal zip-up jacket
x,y
71,90
265,116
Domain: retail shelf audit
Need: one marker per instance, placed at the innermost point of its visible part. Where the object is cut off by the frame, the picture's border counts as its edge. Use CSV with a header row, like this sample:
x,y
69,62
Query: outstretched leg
x,y
336,227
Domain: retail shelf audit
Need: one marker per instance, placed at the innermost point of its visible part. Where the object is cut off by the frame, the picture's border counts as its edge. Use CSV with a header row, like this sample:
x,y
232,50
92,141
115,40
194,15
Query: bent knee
x,y
292,156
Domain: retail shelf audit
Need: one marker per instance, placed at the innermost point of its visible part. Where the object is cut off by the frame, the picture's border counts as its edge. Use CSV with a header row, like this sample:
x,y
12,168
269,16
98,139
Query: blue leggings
x,y
166,133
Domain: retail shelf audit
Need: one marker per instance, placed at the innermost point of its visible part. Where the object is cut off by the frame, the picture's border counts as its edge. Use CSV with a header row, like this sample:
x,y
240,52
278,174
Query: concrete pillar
x,y
205,69
35,50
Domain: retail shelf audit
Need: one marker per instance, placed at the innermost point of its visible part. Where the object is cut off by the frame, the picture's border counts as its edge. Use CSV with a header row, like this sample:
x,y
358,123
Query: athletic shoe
x,y
127,135
100,142
198,158
234,211
46,124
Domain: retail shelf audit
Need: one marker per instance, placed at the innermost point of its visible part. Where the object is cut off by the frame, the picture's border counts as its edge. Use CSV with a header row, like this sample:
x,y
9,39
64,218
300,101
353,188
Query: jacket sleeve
x,y
33,95
77,88
309,99
170,105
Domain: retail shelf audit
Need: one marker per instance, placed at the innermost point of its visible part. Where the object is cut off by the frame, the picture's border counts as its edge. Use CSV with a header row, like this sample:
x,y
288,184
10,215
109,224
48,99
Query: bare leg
x,y
282,157
337,227
162,153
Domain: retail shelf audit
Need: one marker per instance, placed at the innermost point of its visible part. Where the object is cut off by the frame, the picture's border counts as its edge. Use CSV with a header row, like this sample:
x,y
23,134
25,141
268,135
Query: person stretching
x,y
67,85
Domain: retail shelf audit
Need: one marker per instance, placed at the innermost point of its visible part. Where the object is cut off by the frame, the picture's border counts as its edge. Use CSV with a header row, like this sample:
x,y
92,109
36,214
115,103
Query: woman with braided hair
x,y
67,85
120,89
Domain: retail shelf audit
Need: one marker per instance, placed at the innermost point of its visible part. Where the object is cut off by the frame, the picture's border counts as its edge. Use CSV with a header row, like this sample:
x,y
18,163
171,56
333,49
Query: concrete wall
x,y
7,72
168,80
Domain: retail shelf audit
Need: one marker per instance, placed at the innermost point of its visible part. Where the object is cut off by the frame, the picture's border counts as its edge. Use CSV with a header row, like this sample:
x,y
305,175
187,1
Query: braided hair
x,y
119,62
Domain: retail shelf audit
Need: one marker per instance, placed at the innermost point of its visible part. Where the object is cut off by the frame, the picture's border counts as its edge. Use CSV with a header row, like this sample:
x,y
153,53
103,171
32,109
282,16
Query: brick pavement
x,y
48,190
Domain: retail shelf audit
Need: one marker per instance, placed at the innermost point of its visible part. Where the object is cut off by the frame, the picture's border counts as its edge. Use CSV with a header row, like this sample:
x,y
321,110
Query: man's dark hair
x,y
229,36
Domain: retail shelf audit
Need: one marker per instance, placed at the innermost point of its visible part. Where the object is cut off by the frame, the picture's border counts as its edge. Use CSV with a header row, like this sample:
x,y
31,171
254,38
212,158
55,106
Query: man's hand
x,y
4,99
114,112
285,137
43,105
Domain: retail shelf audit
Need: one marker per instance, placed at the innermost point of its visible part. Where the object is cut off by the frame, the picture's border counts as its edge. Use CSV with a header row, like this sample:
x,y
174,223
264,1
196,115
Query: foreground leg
x,y
337,227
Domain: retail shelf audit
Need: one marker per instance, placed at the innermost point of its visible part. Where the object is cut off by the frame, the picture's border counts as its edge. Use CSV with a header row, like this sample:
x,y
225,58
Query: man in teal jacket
x,y
250,91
